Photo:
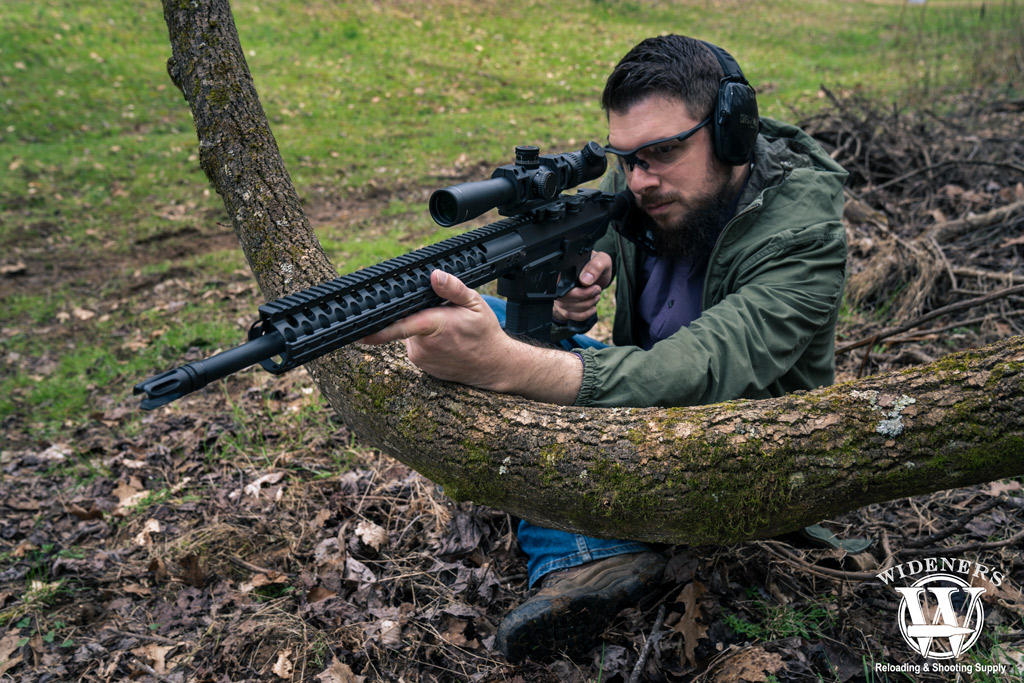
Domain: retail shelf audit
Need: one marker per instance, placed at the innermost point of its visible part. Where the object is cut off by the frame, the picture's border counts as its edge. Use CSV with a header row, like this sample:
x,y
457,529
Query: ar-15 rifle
x,y
536,254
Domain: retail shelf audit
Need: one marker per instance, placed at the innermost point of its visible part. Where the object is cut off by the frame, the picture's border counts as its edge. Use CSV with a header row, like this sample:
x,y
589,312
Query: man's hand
x,y
463,342
581,301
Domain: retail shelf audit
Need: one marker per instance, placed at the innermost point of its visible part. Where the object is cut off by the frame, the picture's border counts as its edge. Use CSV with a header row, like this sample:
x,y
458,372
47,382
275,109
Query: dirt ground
x,y
244,534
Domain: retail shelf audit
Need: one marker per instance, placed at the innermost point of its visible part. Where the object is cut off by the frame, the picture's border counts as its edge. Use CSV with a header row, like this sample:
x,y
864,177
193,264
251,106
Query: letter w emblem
x,y
960,628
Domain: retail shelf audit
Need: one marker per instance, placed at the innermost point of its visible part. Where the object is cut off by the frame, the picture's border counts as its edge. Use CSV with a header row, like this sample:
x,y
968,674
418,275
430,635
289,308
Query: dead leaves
x,y
455,634
367,571
158,570
129,494
192,572
358,573
318,593
283,667
155,656
373,536
339,672
261,580
464,533
997,488
13,269
151,526
329,555
85,515
9,645
751,664
390,634
253,489
689,625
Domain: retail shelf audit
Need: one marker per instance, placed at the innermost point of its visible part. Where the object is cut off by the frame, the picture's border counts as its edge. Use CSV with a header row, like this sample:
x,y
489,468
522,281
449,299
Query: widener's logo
x,y
940,614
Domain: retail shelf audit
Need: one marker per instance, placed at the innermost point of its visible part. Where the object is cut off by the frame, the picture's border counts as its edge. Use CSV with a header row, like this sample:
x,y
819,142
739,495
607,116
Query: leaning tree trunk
x,y
712,474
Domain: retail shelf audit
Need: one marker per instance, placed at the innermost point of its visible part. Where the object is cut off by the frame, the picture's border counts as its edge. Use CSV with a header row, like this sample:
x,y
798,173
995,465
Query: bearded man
x,y
728,285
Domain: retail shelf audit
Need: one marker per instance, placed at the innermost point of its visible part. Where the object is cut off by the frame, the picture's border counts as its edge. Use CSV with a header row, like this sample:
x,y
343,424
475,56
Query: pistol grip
x,y
582,326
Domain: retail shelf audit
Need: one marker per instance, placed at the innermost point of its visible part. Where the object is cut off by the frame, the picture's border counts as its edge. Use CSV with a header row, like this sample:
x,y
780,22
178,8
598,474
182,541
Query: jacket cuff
x,y
589,384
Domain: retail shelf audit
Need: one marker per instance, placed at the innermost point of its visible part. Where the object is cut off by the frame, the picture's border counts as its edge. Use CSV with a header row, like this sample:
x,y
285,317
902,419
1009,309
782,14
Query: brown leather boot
x,y
576,605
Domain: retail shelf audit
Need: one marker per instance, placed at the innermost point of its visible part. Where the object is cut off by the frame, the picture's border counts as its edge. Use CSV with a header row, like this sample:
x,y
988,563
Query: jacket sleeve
x,y
783,296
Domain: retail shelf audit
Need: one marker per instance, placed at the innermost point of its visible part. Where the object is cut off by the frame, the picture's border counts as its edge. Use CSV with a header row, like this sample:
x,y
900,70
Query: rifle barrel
x,y
173,384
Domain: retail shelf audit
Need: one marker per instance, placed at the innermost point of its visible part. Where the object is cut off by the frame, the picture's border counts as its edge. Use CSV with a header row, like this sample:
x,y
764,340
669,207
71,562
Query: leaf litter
x,y
244,534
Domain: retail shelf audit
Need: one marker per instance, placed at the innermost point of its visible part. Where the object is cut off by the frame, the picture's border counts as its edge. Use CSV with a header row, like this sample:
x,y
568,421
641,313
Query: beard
x,y
692,237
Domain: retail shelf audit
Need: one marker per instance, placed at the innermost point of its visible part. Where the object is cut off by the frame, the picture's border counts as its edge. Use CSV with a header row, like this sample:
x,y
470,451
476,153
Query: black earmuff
x,y
735,124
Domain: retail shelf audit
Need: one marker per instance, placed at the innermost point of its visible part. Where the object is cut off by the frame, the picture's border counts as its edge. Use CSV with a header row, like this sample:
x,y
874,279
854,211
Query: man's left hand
x,y
462,341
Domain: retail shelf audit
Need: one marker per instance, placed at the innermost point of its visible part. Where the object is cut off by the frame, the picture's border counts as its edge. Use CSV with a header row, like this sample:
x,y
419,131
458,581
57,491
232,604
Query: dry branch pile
x,y
935,217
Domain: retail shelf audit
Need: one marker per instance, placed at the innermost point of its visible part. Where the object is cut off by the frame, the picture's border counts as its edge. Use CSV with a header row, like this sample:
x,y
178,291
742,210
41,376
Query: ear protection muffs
x,y
735,122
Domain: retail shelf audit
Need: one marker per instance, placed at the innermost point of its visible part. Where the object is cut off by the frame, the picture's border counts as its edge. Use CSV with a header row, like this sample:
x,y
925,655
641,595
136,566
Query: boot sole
x,y
573,621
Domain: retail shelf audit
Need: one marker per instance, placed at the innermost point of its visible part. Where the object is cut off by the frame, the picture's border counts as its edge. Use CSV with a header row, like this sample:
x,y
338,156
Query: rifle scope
x,y
533,180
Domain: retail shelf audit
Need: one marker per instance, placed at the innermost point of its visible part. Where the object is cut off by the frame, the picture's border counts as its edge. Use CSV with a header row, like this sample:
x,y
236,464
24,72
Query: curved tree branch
x,y
712,474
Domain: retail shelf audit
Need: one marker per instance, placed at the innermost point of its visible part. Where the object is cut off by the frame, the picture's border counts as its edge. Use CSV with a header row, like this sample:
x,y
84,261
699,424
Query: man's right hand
x,y
581,301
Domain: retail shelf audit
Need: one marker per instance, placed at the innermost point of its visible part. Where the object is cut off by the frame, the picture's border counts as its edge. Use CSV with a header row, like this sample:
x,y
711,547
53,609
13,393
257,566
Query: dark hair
x,y
672,66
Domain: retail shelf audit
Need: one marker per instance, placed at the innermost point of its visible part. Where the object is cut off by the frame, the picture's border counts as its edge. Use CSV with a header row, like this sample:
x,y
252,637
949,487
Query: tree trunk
x,y
712,474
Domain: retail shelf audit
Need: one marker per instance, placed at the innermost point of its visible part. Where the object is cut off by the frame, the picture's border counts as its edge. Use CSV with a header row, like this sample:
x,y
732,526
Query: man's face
x,y
685,183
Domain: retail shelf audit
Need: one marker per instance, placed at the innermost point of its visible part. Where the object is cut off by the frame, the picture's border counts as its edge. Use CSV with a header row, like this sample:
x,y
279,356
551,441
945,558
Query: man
x,y
729,287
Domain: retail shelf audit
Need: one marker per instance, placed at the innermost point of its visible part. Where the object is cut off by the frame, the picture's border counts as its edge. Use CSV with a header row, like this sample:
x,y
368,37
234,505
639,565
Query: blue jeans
x,y
549,550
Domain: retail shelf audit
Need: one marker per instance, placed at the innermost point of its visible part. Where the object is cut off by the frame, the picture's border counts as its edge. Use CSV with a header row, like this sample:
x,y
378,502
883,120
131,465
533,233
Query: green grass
x,y
41,589
98,155
989,660
774,621
84,368
93,124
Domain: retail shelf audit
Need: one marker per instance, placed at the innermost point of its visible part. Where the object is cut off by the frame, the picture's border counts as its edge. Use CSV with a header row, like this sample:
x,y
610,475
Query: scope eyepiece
x,y
593,162
532,181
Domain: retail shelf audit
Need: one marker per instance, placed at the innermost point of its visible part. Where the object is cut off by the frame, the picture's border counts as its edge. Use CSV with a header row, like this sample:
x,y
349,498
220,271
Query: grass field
x,y
379,101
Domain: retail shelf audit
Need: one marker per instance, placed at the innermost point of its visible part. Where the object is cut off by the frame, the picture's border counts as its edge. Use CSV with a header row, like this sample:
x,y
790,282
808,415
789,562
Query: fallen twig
x,y
941,164
945,310
645,653
248,565
966,547
152,637
955,525
923,335
950,230
783,553
1008,278
151,671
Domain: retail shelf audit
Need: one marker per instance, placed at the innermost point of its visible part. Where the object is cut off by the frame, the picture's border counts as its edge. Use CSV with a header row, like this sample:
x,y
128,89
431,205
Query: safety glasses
x,y
657,155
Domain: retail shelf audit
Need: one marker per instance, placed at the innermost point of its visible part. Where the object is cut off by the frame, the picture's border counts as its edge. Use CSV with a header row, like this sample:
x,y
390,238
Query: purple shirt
x,y
670,298
672,292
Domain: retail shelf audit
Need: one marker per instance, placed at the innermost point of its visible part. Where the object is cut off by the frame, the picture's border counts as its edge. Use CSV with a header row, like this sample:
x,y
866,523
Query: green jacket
x,y
771,298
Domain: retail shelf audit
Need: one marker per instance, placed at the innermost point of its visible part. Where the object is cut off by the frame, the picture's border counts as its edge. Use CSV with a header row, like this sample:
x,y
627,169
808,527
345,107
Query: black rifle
x,y
536,254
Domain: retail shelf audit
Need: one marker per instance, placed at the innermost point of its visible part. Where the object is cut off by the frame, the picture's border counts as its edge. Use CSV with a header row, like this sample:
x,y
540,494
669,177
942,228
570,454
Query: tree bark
x,y
712,474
